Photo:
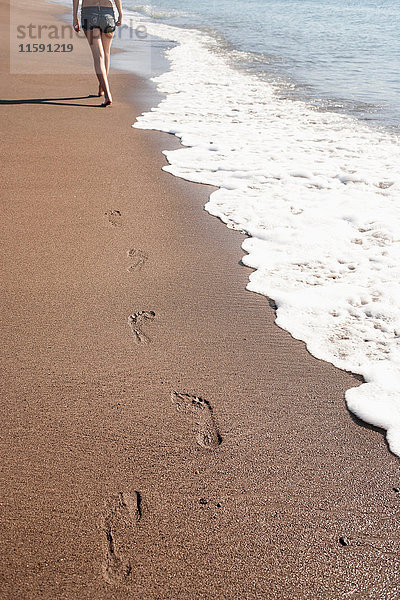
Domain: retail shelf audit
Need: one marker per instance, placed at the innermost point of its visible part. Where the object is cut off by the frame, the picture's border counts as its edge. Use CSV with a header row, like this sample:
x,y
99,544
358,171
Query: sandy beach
x,y
160,440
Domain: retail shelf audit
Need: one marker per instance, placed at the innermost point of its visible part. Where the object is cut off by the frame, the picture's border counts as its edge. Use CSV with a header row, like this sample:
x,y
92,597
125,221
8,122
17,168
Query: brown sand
x,y
112,486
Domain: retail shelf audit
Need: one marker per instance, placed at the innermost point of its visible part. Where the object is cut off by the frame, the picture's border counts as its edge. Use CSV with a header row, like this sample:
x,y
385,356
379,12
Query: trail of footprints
x,y
138,258
124,511
120,516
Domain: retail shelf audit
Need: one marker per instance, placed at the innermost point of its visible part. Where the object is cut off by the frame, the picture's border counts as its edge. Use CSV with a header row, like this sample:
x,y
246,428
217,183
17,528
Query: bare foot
x,y
100,92
106,102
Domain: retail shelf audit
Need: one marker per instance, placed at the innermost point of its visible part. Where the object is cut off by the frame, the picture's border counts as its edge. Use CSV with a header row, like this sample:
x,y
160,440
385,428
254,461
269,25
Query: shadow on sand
x,y
53,101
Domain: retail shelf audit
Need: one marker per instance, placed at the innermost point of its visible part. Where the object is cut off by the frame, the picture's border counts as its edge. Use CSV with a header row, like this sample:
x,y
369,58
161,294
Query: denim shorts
x,y
101,17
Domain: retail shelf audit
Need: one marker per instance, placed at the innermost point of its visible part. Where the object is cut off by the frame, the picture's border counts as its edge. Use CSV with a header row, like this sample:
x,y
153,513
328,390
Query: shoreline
x,y
244,495
318,180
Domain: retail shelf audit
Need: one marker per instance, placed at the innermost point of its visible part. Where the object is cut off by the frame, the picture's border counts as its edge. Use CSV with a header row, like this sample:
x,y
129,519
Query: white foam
x,y
317,192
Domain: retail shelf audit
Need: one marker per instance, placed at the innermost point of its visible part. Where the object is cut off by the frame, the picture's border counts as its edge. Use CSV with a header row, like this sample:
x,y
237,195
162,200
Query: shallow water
x,y
341,54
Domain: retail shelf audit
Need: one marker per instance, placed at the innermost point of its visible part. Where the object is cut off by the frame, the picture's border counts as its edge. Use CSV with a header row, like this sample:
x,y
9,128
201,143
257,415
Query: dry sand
x,y
190,451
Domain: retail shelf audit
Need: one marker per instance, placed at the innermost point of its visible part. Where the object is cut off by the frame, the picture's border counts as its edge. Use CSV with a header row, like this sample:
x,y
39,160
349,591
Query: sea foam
x,y
318,195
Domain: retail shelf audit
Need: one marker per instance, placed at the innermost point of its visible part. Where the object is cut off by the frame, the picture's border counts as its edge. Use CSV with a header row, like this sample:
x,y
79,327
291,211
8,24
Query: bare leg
x,y
94,38
106,40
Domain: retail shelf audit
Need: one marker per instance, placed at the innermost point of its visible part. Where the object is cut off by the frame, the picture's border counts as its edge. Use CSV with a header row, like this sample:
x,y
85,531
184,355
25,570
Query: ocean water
x,y
306,163
338,54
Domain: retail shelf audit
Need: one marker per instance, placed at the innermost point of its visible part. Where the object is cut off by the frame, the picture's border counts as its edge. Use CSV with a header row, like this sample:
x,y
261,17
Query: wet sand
x,y
162,438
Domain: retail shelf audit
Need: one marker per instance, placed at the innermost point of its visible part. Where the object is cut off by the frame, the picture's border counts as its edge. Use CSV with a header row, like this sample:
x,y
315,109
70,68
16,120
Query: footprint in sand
x,y
120,515
201,413
114,217
136,321
138,258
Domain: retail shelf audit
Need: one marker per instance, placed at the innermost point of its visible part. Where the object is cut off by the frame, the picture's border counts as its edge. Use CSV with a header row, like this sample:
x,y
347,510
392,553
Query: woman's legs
x,y
94,37
106,40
